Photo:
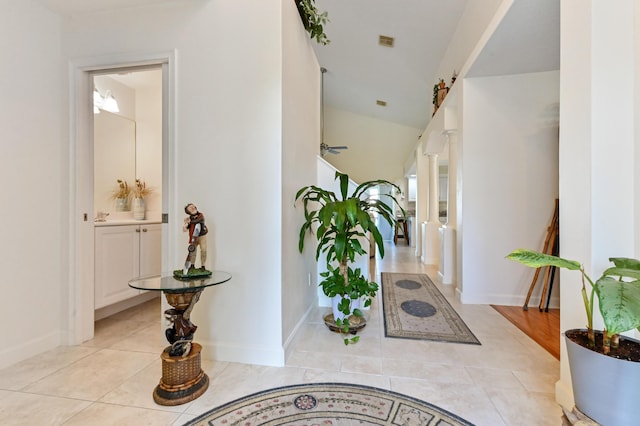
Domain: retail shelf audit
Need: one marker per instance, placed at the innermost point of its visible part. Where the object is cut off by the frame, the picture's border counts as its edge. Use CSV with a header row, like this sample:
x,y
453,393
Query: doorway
x,y
152,167
127,190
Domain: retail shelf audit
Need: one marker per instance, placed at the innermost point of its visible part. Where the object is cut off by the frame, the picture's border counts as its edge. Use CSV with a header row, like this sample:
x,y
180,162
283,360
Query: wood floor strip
x,y
542,327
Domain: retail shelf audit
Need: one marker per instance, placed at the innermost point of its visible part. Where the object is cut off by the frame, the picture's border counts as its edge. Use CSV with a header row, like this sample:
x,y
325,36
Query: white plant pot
x,y
604,388
138,208
337,315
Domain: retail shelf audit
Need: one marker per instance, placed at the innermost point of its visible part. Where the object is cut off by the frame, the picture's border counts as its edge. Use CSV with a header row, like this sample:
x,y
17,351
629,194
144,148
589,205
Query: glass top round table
x,y
171,284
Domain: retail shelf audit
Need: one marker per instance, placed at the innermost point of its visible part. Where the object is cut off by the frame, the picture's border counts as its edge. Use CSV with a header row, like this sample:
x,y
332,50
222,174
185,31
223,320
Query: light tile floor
x,y
508,380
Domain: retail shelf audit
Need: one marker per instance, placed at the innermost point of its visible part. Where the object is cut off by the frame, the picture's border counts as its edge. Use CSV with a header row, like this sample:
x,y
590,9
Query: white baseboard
x,y
28,349
245,354
505,300
294,337
107,311
430,260
564,395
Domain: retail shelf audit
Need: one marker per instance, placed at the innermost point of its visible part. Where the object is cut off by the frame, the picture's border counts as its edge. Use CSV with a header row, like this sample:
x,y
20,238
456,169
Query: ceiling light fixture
x,y
106,103
386,41
110,103
97,97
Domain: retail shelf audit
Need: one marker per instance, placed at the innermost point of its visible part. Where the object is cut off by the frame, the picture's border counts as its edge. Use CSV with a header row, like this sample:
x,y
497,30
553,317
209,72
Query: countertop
x,y
122,222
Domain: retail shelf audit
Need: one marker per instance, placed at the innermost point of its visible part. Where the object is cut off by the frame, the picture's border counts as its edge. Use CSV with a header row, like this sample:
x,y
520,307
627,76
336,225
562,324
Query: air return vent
x,y
386,41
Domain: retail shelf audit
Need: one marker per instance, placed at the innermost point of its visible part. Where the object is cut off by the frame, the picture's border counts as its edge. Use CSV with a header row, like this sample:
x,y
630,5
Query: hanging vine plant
x,y
313,20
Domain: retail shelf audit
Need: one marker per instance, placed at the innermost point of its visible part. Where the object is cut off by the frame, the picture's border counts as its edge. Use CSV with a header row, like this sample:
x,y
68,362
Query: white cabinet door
x,y
117,253
150,250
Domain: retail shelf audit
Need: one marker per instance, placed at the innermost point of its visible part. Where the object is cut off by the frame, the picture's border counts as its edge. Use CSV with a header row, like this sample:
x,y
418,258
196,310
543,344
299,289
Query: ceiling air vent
x,y
386,41
381,103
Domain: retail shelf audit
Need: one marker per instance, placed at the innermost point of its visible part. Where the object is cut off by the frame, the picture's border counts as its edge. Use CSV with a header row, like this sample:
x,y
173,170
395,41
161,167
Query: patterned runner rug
x,y
328,404
415,309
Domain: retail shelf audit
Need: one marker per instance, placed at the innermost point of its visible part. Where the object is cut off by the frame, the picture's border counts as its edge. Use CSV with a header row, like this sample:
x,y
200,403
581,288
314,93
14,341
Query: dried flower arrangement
x,y
123,190
141,190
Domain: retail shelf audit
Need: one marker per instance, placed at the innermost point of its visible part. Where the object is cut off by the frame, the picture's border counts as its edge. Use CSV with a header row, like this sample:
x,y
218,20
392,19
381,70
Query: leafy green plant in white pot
x,y
347,298
339,222
605,367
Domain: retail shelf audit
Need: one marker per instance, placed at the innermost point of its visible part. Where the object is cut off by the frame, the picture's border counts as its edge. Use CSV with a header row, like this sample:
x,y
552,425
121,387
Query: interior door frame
x,y
79,302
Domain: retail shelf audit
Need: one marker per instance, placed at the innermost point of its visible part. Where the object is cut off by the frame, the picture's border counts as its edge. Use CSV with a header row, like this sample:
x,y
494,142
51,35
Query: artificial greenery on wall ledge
x,y
313,20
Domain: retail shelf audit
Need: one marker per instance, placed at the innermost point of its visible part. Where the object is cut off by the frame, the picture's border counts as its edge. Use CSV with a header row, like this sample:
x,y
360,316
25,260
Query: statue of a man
x,y
194,223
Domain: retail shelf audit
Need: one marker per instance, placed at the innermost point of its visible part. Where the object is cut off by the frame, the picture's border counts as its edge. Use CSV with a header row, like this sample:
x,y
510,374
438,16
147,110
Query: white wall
x,y
300,146
33,170
377,149
229,153
599,212
510,181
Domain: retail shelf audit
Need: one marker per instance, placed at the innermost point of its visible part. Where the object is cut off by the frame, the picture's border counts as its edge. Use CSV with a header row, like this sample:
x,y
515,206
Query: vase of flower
x,y
140,190
138,208
121,195
122,204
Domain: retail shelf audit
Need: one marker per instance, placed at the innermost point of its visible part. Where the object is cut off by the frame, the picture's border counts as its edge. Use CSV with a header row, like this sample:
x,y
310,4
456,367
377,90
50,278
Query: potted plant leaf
x,y
313,20
605,367
341,221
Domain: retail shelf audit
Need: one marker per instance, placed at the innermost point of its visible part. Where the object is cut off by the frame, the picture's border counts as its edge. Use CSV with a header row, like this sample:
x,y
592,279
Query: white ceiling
x,y
527,40
359,71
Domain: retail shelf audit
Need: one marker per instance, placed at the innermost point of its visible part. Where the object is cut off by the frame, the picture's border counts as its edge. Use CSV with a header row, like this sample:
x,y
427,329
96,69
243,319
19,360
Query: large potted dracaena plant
x,y
605,367
340,222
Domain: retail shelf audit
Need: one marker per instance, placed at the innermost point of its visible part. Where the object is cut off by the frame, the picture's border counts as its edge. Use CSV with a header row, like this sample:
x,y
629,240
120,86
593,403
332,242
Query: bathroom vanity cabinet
x,y
122,253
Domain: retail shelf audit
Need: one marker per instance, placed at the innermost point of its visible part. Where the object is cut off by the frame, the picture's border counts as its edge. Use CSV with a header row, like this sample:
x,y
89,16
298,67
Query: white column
x,y
452,187
422,193
598,157
447,234
434,199
430,243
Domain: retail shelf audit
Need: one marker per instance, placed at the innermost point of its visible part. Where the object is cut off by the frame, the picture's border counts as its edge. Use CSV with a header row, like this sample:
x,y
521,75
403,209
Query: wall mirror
x,y
114,156
127,139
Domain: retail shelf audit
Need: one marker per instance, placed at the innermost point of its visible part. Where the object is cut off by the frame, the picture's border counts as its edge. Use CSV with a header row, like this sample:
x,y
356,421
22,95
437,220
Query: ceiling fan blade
x,y
324,148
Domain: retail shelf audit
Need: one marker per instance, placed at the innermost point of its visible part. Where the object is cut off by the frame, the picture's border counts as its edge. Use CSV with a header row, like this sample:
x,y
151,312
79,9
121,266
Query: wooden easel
x,y
550,247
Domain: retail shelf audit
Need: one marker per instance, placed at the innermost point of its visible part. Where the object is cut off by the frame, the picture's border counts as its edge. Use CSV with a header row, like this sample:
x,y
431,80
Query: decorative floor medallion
x,y
305,402
328,404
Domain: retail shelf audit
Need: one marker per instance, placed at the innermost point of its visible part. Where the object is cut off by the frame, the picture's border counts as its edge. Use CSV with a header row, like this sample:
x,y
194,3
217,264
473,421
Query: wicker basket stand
x,y
182,378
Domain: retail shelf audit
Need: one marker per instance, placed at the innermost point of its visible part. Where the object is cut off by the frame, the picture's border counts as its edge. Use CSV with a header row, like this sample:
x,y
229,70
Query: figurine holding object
x,y
194,223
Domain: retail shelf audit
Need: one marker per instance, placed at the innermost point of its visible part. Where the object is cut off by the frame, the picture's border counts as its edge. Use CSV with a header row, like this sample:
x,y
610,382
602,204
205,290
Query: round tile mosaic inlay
x,y
305,402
